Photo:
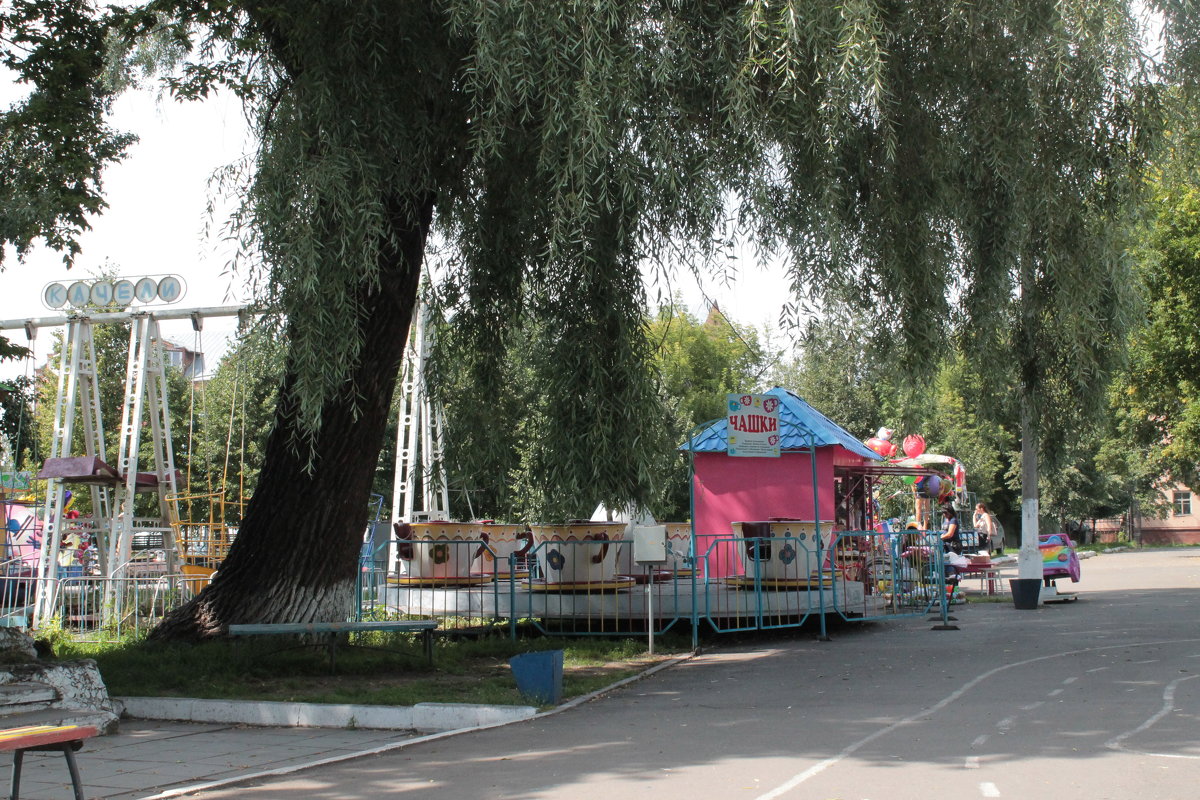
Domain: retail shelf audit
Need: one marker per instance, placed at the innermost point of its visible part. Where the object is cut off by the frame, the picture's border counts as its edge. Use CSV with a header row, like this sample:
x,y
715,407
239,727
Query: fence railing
x,y
575,588
901,574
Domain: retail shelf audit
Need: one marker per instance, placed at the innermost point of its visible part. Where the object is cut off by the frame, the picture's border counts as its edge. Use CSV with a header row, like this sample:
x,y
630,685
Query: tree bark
x,y
295,558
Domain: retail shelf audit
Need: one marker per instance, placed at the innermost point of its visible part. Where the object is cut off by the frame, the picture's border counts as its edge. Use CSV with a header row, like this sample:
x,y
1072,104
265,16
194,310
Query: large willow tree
x,y
895,149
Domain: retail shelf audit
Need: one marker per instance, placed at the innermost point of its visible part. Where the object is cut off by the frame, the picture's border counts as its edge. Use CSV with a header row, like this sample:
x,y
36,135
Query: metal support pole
x,y
650,608
812,457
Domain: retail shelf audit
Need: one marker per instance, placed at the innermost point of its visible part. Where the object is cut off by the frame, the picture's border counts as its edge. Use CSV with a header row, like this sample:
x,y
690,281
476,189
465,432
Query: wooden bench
x,y
65,739
332,630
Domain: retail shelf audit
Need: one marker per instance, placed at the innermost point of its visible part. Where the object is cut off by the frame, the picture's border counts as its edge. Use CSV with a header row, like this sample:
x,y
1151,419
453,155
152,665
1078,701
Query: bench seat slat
x,y
260,629
42,735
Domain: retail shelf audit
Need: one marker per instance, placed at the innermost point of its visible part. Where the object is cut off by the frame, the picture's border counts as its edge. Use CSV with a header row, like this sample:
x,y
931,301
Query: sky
x,y
156,219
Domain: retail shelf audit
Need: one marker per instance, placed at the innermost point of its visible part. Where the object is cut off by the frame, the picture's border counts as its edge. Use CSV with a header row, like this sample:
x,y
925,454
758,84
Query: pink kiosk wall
x,y
731,489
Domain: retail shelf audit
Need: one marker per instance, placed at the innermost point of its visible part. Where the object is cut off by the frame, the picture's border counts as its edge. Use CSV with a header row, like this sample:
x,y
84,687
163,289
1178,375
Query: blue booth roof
x,y
801,427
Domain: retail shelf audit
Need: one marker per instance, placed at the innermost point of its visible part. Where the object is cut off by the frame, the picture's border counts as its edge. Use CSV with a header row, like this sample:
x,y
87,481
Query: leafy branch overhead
x,y
944,156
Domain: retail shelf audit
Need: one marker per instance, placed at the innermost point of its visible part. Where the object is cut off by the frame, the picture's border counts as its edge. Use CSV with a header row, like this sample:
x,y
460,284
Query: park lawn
x,y
467,670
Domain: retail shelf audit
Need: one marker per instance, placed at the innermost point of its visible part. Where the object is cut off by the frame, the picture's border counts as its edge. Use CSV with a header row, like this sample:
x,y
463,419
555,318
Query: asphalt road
x,y
1095,699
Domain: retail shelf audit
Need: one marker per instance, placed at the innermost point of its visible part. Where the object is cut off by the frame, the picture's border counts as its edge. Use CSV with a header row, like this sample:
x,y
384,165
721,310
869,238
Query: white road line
x,y
1117,742
989,790
851,749
1055,693
1071,680
1005,725
972,762
1101,669
1033,705
979,741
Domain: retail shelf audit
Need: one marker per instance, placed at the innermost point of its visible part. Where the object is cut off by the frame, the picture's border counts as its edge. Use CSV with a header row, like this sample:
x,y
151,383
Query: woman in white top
x,y
985,524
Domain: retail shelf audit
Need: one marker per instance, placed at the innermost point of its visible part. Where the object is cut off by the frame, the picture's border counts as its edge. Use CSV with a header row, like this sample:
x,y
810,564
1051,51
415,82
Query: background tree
x,y
837,370
18,398
1163,382
559,149
231,418
698,363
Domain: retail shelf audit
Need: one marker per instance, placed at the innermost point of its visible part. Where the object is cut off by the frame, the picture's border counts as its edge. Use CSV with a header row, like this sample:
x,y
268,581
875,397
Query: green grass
x,y
465,670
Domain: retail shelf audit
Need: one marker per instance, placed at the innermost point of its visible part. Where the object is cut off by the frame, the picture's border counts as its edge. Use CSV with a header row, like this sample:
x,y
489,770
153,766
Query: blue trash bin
x,y
539,676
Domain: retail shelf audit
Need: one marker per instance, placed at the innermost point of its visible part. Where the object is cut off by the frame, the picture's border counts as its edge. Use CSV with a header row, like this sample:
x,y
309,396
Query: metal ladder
x,y
145,386
78,390
419,438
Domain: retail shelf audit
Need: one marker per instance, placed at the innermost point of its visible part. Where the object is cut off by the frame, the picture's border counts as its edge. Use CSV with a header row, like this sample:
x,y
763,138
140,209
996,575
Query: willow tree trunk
x,y
295,558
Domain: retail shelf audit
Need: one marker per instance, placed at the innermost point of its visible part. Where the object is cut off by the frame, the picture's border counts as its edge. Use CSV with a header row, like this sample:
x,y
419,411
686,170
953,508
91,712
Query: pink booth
x,y
732,489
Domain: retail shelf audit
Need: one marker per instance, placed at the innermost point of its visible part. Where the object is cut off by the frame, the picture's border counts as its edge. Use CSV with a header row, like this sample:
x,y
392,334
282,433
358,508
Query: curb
x,y
423,717
433,737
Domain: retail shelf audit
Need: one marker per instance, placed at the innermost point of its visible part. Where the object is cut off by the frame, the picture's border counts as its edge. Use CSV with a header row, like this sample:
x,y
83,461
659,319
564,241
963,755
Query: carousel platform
x,y
627,599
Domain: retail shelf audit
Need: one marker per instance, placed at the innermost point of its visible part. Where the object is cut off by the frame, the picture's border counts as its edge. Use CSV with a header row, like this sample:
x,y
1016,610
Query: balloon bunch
x,y
914,445
882,443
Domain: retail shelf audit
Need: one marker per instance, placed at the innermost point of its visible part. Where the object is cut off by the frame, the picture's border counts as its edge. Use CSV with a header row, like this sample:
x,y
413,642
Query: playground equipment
x,y
1059,560
419,440
113,488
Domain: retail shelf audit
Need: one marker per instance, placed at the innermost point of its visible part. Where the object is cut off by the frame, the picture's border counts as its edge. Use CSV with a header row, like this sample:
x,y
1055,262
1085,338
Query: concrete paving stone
x,y
128,781
247,759
49,790
171,773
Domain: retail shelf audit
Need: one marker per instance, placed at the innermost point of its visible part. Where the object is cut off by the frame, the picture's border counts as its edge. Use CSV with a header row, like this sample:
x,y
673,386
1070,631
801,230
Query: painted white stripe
x,y
1101,669
851,749
989,790
1005,725
1055,693
980,741
972,762
1069,681
1032,706
1168,705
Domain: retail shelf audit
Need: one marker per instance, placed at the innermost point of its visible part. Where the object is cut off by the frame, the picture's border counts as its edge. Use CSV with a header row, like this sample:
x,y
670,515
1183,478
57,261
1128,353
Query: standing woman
x,y
985,523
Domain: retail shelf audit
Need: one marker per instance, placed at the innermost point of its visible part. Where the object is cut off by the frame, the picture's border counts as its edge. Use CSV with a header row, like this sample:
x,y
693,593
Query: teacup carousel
x,y
775,555
579,556
449,554
680,562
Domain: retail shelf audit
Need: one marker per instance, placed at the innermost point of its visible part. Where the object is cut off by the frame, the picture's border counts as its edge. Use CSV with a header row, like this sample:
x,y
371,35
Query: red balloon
x,y
914,445
889,449
877,444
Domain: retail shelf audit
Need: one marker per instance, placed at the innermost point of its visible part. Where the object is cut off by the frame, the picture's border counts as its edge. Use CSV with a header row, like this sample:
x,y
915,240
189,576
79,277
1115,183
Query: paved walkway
x,y
1089,699
146,758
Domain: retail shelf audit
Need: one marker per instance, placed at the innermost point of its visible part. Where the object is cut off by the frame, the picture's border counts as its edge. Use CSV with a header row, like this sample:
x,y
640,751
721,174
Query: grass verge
x,y
392,672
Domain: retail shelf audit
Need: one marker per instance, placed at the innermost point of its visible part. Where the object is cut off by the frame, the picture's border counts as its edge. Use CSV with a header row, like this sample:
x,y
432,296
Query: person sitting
x,y
950,538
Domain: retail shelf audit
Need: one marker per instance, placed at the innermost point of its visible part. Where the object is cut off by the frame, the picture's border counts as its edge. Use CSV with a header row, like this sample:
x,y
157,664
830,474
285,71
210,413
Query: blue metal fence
x,y
574,588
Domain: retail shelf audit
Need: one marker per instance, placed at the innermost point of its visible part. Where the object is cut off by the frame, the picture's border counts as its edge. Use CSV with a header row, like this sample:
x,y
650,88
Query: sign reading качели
x,y
120,292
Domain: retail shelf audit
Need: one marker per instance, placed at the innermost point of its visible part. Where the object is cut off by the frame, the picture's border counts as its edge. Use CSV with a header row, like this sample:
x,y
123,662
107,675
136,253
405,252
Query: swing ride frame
x,y
145,391
419,439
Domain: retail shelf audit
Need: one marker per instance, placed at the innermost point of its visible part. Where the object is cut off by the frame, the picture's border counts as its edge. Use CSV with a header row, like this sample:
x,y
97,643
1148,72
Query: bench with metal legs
x,y
65,739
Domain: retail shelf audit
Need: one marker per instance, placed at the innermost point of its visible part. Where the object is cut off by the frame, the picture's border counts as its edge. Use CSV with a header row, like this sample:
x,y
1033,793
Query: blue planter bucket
x,y
539,676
